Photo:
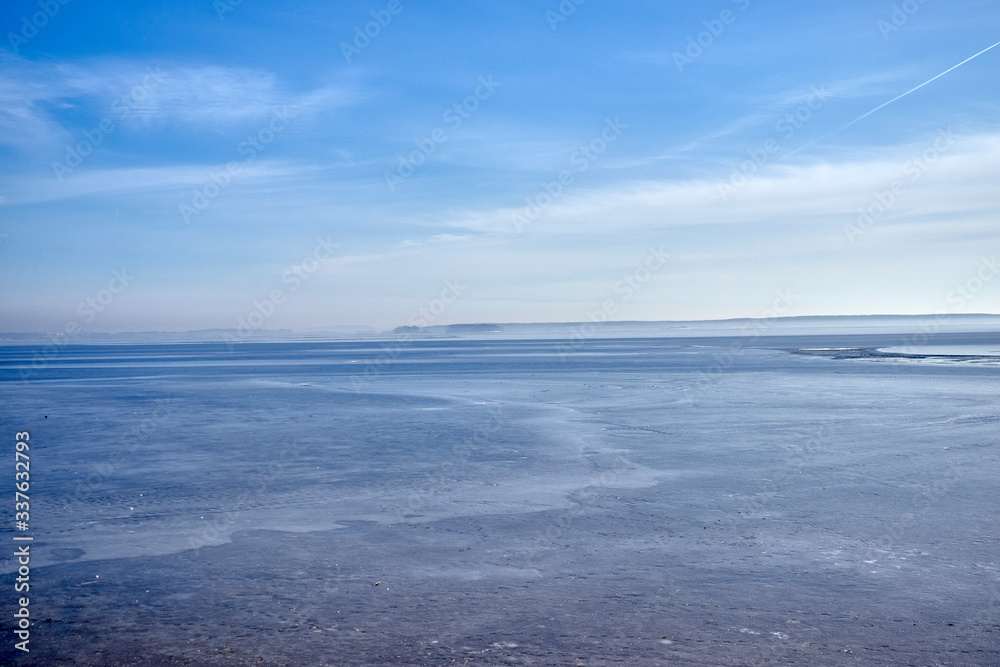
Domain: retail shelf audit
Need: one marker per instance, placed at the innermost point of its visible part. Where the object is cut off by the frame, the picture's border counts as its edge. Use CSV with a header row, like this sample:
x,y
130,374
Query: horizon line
x,y
332,328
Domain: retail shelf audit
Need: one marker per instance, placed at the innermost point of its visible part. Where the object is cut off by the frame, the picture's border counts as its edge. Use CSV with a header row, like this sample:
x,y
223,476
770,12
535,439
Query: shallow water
x,y
609,501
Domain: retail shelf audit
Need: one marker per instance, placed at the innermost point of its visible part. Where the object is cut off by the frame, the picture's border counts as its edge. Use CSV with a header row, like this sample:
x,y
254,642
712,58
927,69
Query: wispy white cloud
x,y
767,109
132,181
861,86
35,95
956,181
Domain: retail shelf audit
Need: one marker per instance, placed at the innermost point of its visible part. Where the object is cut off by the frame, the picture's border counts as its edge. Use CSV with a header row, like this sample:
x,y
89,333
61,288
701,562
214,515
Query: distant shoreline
x,y
750,327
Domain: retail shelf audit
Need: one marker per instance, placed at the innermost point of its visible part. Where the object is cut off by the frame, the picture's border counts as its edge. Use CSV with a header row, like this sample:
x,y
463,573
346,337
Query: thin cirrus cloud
x,y
953,182
140,181
36,98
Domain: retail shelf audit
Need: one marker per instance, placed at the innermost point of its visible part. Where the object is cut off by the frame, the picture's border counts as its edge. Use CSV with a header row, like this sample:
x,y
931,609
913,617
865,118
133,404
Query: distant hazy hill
x,y
473,328
925,324
731,327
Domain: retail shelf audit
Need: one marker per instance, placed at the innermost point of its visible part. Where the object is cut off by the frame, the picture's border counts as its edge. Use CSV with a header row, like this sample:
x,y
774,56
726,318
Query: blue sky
x,y
229,159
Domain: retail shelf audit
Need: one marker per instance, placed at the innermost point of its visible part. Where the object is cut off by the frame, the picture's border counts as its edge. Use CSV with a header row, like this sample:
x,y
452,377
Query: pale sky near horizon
x,y
176,166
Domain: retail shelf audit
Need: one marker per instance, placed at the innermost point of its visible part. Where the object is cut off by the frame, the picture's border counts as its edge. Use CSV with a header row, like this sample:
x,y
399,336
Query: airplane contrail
x,y
885,104
881,106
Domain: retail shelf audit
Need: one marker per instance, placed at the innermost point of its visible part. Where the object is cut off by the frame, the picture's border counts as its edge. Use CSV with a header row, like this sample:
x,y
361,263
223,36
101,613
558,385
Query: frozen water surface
x,y
711,501
948,350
